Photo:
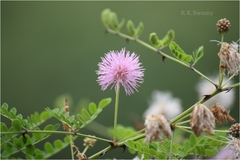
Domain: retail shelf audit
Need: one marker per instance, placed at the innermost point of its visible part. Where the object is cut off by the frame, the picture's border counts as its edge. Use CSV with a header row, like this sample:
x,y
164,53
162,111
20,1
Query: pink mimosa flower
x,y
120,68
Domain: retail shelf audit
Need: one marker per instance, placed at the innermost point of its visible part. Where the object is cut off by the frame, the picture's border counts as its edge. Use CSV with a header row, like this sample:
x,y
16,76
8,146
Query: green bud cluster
x,y
110,20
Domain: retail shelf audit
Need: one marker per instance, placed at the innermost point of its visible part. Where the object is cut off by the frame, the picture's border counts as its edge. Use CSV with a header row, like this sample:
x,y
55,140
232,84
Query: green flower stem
x,y
85,150
221,71
231,86
183,122
183,128
118,145
215,139
187,115
228,80
221,75
55,132
116,113
221,131
202,75
158,51
71,147
222,37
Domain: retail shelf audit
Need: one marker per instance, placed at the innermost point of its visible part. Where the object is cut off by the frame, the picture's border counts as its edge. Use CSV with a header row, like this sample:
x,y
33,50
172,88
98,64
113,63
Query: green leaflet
x,y
30,149
92,107
104,102
57,146
110,19
164,42
105,16
31,122
179,53
86,114
8,148
48,148
123,132
135,32
49,127
16,124
153,38
193,139
38,136
144,149
198,54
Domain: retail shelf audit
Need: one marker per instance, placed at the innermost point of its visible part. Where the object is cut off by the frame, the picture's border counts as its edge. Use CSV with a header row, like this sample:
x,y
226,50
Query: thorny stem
x,y
116,113
112,147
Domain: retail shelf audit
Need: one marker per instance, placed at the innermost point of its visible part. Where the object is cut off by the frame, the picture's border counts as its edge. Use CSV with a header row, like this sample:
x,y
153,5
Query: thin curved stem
x,y
158,51
71,147
187,121
228,80
85,150
231,86
116,112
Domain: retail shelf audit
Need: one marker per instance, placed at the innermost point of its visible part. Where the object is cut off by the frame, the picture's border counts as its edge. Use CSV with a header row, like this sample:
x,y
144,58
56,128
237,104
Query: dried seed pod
x,y
202,120
230,58
157,126
221,114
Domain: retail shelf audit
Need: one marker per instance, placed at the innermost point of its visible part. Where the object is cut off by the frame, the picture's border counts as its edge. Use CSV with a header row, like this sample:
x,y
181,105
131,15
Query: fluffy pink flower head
x,y
120,68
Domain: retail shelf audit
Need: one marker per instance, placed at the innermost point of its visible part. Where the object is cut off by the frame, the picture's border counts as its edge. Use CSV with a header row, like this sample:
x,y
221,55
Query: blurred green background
x,y
51,49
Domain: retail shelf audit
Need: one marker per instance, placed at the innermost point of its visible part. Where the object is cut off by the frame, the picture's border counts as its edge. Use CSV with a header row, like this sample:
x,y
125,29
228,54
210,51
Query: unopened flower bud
x,y
235,130
221,114
157,126
89,142
223,25
202,120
